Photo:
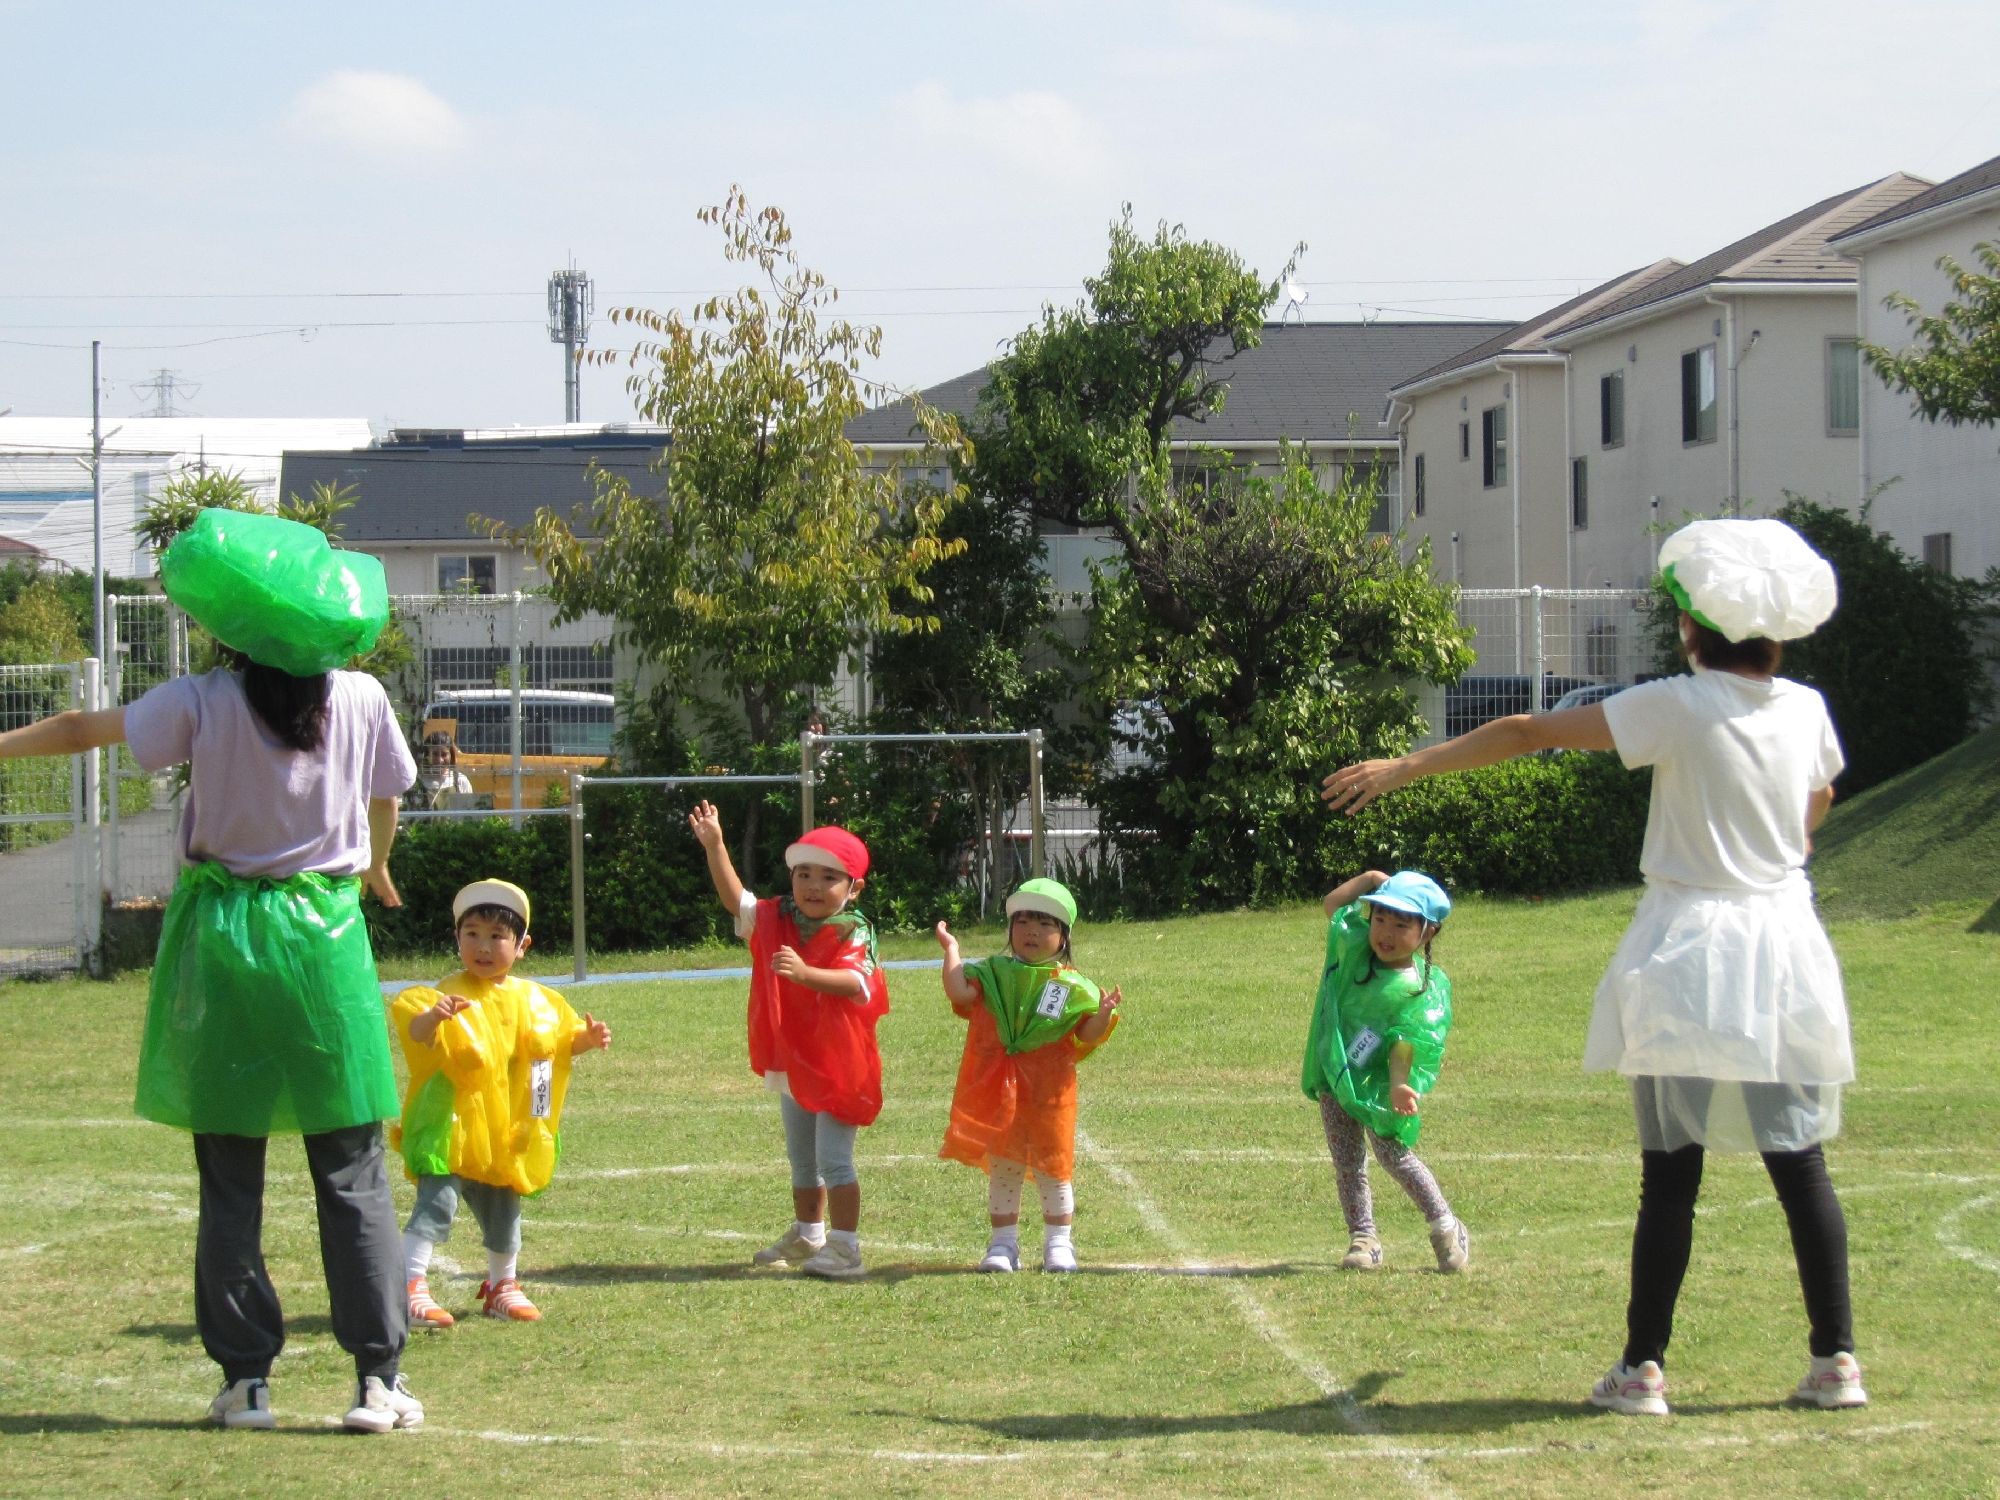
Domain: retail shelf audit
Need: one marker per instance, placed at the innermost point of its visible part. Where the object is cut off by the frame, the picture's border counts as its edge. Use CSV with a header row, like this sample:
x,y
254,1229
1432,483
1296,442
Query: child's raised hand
x,y
706,823
424,1027
947,942
1403,1099
594,1034
787,964
1108,1003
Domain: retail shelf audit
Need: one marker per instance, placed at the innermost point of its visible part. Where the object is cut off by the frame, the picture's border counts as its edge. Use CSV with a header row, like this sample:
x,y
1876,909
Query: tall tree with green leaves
x,y
772,548
1953,367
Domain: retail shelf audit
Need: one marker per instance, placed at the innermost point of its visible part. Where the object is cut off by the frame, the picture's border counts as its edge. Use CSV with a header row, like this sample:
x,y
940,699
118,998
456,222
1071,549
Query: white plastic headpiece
x,y
1749,578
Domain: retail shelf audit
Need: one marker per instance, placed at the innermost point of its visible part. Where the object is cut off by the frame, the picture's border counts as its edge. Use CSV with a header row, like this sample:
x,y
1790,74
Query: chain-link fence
x,y
44,845
1534,646
148,645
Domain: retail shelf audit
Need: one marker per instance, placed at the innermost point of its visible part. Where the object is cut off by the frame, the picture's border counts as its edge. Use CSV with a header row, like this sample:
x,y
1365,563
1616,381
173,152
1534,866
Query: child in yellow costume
x,y
489,1060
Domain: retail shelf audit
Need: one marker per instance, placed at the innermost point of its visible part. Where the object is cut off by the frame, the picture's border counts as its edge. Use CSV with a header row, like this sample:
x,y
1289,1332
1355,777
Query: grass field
x,y
1209,1348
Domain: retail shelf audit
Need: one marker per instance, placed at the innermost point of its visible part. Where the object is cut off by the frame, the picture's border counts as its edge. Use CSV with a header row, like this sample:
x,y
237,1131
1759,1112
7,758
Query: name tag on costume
x,y
541,1088
1054,1001
1364,1046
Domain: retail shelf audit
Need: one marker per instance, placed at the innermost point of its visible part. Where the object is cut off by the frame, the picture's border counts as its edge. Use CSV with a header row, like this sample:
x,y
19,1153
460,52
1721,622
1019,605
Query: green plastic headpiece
x,y
1049,897
1681,598
276,591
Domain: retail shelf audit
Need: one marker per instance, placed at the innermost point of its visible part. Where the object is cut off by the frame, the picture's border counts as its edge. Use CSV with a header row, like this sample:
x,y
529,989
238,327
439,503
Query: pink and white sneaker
x,y
1636,1393
1832,1383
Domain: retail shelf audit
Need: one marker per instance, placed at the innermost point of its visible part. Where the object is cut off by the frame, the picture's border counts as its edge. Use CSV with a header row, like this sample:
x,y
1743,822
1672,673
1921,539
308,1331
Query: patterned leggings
x,y
1348,1139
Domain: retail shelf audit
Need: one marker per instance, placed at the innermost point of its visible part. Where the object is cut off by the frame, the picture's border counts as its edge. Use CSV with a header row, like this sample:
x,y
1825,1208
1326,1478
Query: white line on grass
x,y
1948,1233
1263,1322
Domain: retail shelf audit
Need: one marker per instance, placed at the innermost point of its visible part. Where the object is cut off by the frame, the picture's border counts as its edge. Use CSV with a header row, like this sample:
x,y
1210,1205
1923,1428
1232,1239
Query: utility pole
x,y
570,307
96,504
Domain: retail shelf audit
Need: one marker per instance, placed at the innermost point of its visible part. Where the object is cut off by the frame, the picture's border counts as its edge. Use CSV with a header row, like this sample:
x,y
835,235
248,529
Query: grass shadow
x,y
307,1325
41,1423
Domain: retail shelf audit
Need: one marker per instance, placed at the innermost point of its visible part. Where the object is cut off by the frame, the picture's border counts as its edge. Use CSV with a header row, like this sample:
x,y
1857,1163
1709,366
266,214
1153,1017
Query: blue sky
x,y
950,167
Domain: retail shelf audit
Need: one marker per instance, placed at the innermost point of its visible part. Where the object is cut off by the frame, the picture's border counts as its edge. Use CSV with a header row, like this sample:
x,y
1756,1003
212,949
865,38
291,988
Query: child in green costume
x,y
1376,1044
1033,1019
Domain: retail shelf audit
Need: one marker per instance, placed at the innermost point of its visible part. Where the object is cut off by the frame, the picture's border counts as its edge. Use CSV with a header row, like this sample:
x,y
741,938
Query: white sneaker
x,y
1058,1255
379,1407
791,1249
835,1262
243,1403
1002,1255
1637,1393
1832,1383
1453,1247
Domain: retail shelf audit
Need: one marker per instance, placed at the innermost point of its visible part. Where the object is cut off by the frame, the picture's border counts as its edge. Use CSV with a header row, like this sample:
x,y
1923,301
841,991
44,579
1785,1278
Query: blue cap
x,y
1413,892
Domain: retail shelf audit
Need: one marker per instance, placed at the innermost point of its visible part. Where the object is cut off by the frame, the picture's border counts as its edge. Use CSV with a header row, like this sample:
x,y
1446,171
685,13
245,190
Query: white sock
x,y
1448,1222
813,1234
1827,1364
416,1257
846,1239
1007,1234
1056,1234
499,1267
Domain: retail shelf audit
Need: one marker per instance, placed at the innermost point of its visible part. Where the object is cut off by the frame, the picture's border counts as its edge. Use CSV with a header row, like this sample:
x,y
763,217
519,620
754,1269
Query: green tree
x,y
1953,368
772,551
39,624
1307,627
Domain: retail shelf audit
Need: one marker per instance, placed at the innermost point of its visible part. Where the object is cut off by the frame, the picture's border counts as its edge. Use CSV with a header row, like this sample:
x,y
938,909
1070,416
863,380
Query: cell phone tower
x,y
570,306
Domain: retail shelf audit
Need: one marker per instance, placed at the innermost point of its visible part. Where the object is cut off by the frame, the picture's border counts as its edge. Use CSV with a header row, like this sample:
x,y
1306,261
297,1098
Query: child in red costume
x,y
816,992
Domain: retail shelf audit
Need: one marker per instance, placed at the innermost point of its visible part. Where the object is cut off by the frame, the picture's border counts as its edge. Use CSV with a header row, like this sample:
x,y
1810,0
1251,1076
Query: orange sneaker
x,y
507,1300
424,1311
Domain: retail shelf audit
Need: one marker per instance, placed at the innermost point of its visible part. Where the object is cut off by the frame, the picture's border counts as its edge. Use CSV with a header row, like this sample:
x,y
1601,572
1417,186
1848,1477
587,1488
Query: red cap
x,y
830,846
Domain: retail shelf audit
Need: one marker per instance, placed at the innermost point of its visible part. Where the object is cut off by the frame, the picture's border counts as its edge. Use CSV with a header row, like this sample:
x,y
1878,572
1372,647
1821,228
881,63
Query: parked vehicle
x,y
560,732
1583,697
1472,701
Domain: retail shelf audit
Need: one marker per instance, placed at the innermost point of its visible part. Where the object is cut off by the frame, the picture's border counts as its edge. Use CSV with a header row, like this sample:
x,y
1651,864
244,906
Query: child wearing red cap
x,y
816,992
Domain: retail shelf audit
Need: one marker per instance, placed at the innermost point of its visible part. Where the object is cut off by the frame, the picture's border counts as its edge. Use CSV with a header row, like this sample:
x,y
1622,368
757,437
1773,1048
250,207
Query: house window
x,y
1611,409
1843,387
1698,395
460,574
1493,446
1417,473
1464,441
1937,552
1579,494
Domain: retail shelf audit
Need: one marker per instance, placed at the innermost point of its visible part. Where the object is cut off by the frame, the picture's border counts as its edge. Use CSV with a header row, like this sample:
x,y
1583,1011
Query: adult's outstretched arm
x,y
69,733
1354,787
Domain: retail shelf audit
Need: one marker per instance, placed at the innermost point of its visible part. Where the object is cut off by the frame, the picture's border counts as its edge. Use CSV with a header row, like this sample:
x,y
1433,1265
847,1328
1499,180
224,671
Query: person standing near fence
x,y
264,1015
1723,1004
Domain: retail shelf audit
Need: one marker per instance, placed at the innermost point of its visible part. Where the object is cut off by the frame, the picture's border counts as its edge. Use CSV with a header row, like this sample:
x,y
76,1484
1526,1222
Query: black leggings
x,y
1670,1181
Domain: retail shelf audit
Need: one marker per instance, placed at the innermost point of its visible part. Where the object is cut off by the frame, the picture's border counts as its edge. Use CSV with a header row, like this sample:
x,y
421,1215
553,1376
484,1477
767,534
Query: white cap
x,y
1749,578
491,893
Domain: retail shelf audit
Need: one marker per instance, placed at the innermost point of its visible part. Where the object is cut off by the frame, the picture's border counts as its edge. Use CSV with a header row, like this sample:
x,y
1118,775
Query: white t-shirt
x,y
258,806
1735,762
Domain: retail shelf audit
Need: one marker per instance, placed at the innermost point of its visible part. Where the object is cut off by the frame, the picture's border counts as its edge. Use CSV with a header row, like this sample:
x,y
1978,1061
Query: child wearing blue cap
x,y
1376,1044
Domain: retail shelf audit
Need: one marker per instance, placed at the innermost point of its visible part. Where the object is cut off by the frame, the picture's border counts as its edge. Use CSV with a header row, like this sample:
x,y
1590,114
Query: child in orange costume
x,y
1033,1019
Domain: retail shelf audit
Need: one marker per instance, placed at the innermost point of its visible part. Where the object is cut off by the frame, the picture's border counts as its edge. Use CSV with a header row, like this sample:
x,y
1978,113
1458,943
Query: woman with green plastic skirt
x,y
265,1015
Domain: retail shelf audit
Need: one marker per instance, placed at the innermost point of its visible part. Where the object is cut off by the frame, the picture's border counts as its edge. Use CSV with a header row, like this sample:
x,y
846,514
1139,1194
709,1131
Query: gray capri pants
x,y
497,1209
820,1148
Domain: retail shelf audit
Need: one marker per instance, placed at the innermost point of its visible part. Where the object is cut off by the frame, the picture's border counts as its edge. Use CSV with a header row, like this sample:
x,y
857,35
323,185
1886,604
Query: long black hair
x,y
292,708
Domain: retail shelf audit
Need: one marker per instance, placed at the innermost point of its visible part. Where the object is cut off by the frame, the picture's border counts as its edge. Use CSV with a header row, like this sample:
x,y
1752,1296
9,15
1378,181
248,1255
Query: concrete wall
x,y
1946,479
412,567
1456,497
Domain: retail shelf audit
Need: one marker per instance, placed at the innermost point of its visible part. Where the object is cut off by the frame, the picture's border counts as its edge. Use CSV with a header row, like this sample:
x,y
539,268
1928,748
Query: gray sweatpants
x,y
235,1306
498,1210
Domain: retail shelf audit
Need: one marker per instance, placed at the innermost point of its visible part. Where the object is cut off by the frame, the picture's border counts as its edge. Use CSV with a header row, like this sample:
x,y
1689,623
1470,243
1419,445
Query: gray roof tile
x,y
1964,185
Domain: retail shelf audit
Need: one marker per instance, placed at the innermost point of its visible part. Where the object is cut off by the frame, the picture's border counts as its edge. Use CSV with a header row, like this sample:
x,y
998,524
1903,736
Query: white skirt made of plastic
x,y
1730,985
1731,1116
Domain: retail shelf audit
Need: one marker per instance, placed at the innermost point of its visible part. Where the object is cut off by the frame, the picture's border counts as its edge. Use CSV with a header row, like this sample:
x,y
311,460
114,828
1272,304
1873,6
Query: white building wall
x,y
1937,478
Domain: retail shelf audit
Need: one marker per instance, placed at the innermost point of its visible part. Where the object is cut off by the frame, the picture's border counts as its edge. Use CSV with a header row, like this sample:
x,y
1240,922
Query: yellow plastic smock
x,y
471,1109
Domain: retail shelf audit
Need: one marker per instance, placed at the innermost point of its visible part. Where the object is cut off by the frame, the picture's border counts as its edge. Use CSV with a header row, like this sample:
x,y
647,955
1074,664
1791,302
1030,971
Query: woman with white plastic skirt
x,y
1723,1004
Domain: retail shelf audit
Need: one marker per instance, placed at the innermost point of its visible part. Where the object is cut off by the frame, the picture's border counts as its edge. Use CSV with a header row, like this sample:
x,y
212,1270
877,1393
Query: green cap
x,y
276,591
1049,897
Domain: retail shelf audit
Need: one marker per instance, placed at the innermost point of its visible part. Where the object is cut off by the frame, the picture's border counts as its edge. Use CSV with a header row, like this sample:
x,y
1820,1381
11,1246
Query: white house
x,y
45,482
1939,485
1557,452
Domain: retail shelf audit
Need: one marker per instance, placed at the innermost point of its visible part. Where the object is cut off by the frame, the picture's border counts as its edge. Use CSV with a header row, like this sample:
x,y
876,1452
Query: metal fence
x,y
1533,646
47,871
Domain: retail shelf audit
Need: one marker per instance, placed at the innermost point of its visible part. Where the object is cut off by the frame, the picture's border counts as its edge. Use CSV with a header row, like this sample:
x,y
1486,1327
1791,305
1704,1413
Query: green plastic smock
x,y
1033,1004
265,1015
1363,1009
276,590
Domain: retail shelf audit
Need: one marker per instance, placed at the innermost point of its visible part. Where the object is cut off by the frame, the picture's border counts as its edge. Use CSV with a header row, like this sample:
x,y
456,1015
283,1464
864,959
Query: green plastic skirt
x,y
265,1014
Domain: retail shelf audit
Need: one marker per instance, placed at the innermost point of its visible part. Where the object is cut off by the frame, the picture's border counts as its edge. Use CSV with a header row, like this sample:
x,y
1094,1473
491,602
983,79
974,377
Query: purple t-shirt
x,y
257,806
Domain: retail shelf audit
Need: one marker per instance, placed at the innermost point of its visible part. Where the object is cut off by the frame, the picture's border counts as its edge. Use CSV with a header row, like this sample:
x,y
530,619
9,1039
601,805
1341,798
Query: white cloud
x,y
387,113
1036,132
